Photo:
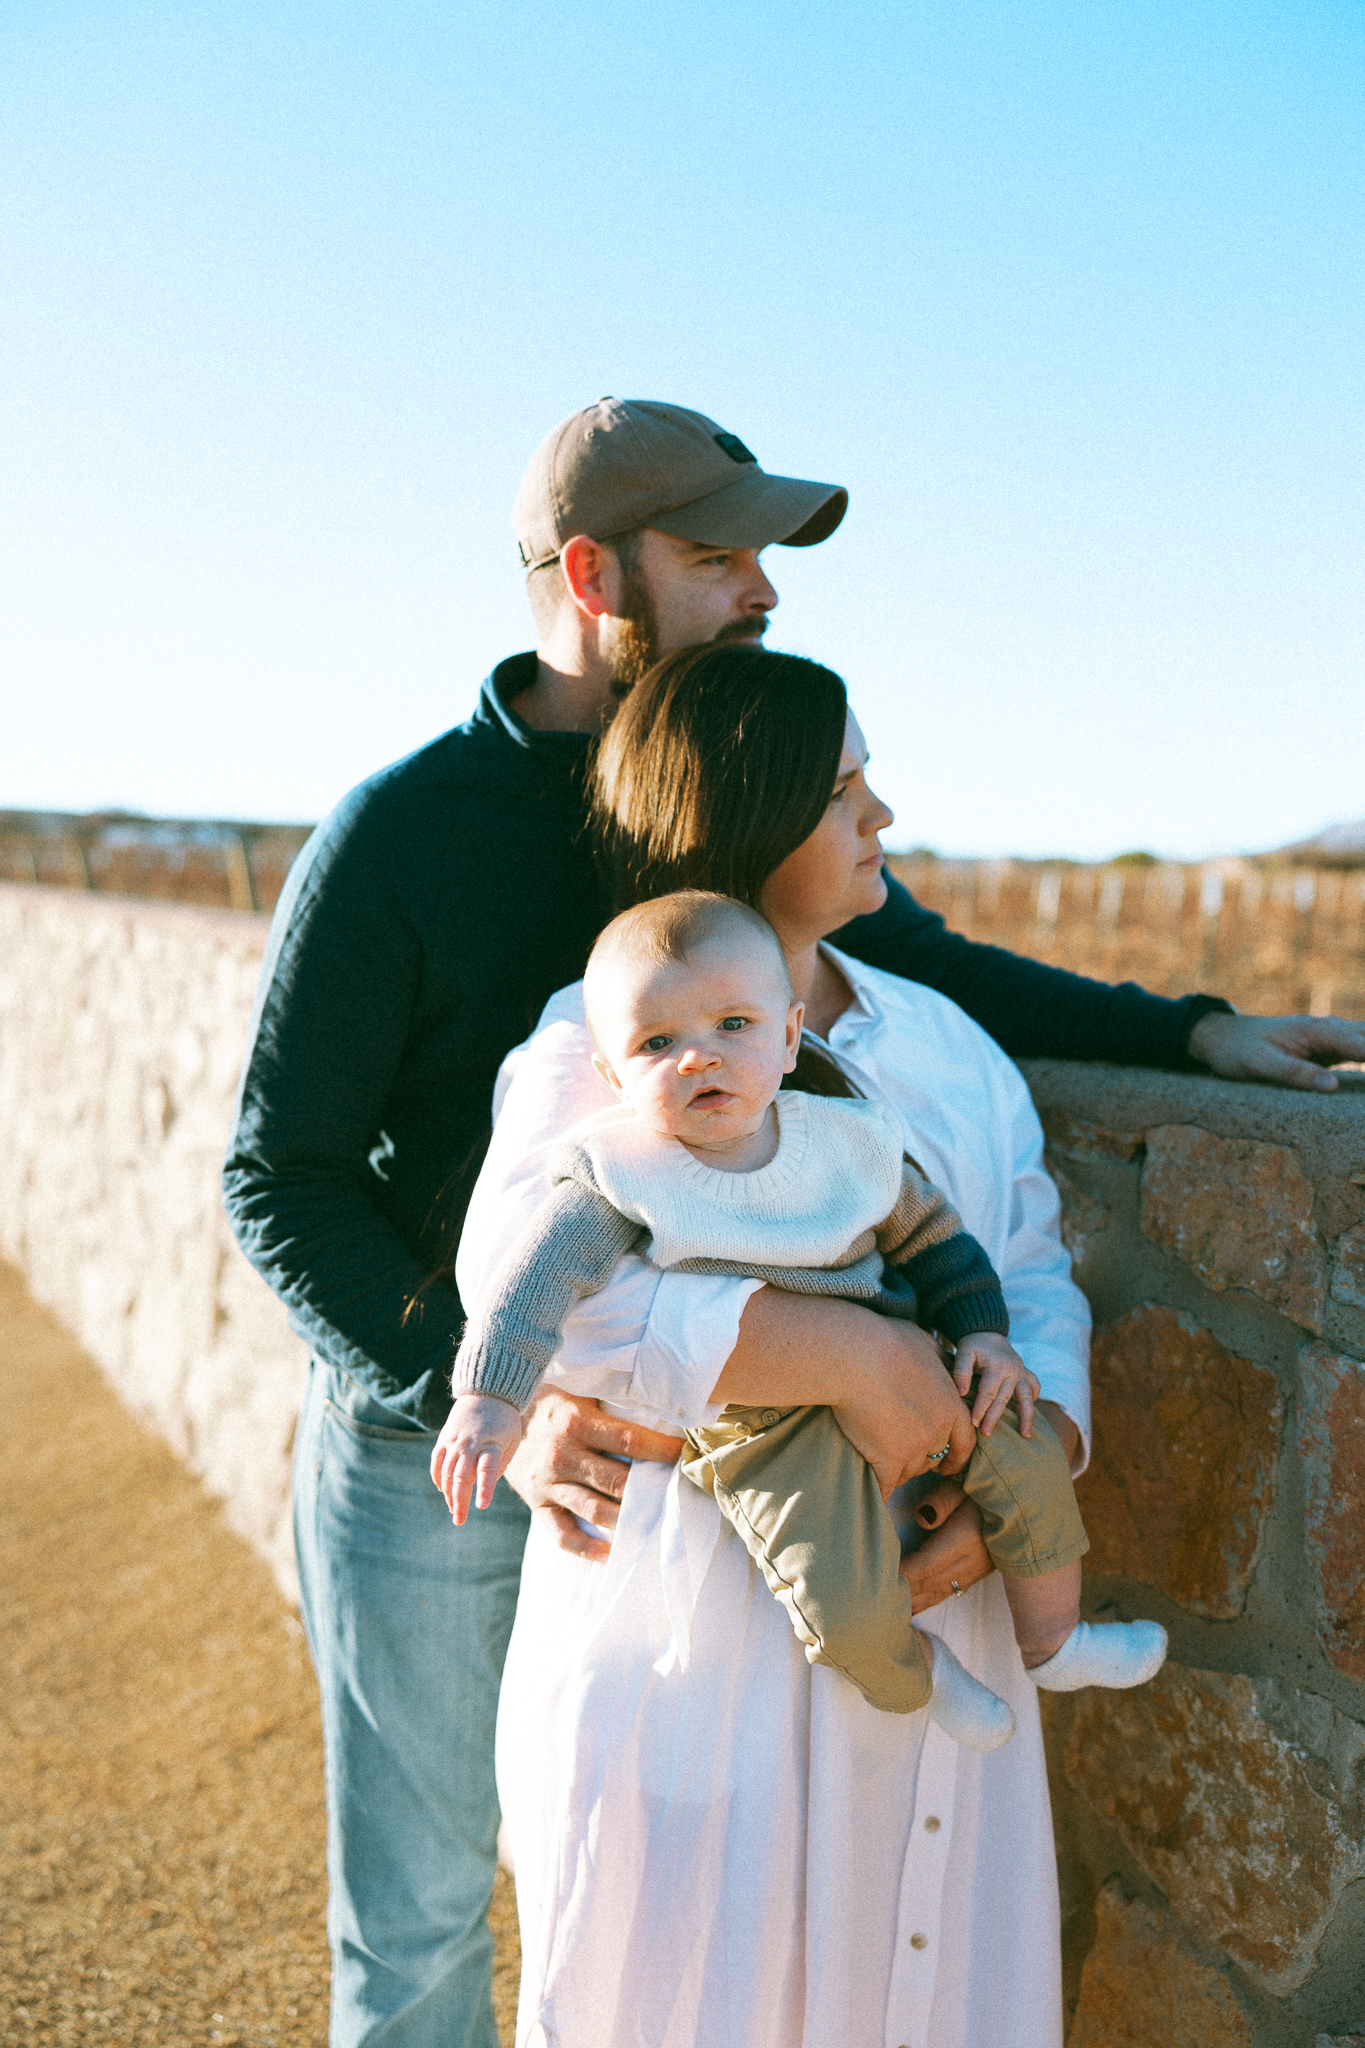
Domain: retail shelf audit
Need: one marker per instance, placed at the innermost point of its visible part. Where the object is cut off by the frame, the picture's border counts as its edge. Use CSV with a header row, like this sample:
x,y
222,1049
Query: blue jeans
x,y
408,1620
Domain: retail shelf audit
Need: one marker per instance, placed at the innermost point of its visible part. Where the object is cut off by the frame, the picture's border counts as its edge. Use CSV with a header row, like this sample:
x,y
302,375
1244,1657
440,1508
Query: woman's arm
x,y
883,1378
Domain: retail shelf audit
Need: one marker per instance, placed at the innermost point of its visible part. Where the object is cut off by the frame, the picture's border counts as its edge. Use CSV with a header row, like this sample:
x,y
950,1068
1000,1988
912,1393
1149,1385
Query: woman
x,y
716,1842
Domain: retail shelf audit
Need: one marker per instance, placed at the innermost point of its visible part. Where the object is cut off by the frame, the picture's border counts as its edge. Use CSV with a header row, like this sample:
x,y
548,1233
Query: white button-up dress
x,y
718,1845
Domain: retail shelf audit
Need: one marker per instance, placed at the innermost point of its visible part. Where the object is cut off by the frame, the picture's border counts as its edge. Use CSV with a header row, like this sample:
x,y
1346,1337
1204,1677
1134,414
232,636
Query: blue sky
x,y
1070,297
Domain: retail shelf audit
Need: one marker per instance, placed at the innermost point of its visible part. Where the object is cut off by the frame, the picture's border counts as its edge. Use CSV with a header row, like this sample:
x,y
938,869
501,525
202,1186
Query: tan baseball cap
x,y
628,462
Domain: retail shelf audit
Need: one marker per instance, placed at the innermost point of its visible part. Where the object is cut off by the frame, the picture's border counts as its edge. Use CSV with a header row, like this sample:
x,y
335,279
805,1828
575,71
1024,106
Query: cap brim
x,y
757,510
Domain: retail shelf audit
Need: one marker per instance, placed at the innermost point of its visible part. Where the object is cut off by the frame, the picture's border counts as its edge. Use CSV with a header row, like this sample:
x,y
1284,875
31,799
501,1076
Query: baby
x,y
708,1168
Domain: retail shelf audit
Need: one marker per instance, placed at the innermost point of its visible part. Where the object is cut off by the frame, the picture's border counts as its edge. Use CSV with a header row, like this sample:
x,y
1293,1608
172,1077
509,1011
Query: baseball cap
x,y
628,462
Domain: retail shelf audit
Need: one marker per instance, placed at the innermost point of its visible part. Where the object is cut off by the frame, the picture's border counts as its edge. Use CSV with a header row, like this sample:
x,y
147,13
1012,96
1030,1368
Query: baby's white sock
x,y
963,1707
1113,1653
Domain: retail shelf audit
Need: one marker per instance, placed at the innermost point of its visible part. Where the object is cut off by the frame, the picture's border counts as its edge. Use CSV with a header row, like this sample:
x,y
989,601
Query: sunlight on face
x,y
836,874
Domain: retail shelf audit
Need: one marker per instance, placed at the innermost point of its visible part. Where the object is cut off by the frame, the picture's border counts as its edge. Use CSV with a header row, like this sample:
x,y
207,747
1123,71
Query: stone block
x,y
1182,1475
1083,1215
1348,1269
1331,1442
1142,1985
1239,1798
1074,1138
1240,1213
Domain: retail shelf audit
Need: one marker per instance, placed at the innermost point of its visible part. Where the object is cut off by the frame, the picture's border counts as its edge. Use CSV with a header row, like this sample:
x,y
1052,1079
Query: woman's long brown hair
x,y
720,762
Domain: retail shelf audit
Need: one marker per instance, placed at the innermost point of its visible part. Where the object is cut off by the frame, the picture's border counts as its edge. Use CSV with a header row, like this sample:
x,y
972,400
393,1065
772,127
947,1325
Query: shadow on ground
x,y
161,1821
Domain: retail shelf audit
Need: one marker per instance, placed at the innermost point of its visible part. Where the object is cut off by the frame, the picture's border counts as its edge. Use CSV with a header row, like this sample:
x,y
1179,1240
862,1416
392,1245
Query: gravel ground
x,y
161,1819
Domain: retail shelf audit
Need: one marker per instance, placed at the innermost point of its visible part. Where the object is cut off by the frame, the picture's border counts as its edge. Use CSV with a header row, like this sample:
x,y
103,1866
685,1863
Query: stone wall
x,y
121,1031
1211,1826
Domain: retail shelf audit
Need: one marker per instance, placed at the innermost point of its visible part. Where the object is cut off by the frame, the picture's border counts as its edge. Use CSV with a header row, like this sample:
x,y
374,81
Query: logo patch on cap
x,y
734,447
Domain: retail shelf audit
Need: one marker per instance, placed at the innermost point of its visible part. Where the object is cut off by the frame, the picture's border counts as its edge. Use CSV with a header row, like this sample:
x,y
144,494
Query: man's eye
x,y
656,1044
733,1023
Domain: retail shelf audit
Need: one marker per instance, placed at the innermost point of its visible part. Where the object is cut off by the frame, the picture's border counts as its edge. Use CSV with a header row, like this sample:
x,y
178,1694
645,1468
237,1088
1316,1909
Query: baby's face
x,y
698,1047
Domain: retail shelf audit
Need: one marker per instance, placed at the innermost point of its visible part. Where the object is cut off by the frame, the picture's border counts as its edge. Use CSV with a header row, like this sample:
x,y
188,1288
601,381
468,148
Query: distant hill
x,y
1338,844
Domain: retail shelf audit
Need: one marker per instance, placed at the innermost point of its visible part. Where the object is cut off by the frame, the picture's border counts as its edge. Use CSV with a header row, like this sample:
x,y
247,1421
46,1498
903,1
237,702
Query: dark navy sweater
x,y
418,937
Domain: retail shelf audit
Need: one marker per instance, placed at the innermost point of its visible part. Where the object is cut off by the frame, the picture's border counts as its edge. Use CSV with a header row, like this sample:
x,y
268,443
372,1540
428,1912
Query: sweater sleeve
x,y
566,1254
1031,1011
334,1011
957,1291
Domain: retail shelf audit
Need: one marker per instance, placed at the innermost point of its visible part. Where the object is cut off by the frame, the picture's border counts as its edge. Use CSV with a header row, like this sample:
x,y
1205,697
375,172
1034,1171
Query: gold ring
x,y
955,1586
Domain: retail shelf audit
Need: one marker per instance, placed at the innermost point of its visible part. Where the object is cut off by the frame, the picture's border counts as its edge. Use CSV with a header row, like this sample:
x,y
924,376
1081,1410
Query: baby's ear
x,y
605,1071
795,1018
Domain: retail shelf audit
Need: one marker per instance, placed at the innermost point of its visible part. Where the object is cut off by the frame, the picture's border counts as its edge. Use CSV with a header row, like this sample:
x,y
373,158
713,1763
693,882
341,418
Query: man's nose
x,y
761,596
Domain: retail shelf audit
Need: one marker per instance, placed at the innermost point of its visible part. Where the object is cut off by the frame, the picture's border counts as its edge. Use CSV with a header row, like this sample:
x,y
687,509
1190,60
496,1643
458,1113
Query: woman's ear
x,y
606,1072
795,1018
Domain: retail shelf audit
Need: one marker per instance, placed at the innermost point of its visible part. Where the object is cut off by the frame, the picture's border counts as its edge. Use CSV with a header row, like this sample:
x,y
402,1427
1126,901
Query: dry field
x,y
1272,939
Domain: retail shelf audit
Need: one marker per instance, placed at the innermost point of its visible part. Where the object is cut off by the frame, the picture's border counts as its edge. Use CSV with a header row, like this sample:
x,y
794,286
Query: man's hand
x,y
953,1558
1293,1051
473,1451
1003,1377
573,1462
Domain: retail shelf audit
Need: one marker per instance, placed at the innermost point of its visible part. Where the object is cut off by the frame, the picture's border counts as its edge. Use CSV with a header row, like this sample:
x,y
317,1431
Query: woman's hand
x,y
573,1462
954,1557
883,1378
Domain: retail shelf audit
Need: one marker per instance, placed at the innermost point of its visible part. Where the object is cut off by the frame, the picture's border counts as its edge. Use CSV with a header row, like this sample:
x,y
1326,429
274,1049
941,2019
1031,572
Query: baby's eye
x,y
656,1044
733,1023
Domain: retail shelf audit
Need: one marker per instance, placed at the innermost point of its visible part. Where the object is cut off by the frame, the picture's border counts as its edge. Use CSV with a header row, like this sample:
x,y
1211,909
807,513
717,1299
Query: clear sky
x,y
1069,296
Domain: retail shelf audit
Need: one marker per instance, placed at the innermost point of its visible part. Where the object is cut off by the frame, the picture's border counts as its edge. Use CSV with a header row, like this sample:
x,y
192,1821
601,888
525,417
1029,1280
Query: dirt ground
x,y
161,1818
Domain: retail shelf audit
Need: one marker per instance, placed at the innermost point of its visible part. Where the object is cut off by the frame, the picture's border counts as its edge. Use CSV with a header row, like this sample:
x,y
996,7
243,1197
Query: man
x,y
418,937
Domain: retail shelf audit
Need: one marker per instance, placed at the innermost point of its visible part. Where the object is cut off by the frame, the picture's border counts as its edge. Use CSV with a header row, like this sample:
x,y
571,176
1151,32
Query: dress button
x,y
919,1941
932,1825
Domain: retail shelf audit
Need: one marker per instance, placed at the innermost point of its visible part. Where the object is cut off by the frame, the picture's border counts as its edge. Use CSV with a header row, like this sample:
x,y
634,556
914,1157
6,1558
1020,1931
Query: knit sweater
x,y
839,1210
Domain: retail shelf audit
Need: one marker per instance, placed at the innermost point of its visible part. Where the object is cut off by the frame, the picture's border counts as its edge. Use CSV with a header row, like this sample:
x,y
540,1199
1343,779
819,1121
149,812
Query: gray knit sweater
x,y
838,1211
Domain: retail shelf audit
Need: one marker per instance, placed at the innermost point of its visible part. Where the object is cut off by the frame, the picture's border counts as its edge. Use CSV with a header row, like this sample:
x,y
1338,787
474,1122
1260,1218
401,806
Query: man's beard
x,y
635,648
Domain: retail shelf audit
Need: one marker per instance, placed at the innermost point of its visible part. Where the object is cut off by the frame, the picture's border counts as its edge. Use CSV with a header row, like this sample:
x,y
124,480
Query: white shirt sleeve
x,y
647,1340
1049,1316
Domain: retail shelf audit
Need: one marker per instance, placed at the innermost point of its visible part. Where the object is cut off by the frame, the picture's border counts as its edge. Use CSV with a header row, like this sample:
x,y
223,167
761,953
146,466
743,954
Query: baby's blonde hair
x,y
670,929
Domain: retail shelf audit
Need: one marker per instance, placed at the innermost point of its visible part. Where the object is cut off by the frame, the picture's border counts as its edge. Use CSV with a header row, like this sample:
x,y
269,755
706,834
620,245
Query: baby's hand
x,y
1003,1373
474,1450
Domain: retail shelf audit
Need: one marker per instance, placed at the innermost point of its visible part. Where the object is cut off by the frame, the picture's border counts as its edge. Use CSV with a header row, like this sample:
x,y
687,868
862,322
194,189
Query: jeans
x,y
408,1620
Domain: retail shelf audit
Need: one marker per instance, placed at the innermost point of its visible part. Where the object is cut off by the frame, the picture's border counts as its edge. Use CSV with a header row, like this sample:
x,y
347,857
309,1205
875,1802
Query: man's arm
x,y
1042,1012
1033,1011
338,995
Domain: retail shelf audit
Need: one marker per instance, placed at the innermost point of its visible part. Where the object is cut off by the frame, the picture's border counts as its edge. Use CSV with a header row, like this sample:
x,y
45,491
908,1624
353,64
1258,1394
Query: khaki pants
x,y
810,1515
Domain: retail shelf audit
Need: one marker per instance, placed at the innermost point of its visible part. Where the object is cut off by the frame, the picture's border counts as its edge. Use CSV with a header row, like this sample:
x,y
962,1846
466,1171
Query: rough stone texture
x,y
1083,1215
1240,1798
1348,1268
1327,1132
121,1032
1182,1473
1074,1138
1142,1986
1240,1213
1331,1442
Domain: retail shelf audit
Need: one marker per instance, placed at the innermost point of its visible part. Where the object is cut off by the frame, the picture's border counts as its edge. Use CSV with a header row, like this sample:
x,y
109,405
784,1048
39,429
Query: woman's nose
x,y
879,815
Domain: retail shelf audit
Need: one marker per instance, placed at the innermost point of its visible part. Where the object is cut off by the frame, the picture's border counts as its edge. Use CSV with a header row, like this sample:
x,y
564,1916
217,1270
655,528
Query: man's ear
x,y
592,575
795,1018
605,1071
